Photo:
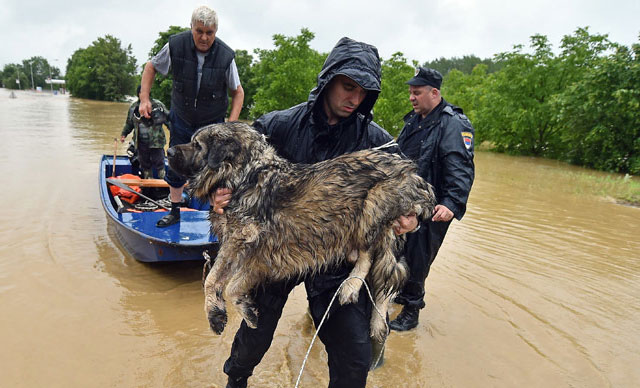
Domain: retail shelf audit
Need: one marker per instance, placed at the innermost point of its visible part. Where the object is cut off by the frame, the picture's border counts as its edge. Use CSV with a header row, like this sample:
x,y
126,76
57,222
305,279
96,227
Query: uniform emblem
x,y
417,71
467,137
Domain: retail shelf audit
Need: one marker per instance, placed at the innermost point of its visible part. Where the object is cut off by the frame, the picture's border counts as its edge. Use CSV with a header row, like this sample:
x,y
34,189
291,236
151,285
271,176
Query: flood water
x,y
538,286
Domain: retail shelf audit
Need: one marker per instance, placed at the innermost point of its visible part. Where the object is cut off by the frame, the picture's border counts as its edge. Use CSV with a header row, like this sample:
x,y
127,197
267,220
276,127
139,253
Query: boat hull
x,y
138,234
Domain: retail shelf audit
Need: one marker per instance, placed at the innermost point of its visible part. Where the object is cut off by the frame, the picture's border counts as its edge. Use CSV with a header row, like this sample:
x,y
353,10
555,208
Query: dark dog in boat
x,y
287,220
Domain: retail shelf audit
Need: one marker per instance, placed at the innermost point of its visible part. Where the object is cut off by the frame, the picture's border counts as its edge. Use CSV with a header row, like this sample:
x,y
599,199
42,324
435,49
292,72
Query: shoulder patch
x,y
467,137
448,110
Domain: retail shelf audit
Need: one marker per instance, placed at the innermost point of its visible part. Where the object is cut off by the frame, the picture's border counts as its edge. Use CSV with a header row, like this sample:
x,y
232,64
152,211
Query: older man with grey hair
x,y
204,74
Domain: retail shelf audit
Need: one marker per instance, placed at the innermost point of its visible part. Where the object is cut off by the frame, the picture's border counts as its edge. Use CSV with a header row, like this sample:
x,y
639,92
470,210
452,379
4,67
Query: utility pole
x,y
50,78
31,66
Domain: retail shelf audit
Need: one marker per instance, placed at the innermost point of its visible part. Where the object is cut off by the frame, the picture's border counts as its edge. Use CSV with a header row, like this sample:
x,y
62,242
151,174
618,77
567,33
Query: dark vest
x,y
211,102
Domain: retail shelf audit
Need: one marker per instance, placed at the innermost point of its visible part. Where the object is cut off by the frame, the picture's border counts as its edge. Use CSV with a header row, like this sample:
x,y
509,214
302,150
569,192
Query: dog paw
x,y
379,330
350,291
251,317
217,320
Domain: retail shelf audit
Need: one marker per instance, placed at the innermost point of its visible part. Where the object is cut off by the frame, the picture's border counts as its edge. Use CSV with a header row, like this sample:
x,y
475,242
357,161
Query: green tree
x,y
286,74
102,71
393,102
161,89
600,112
42,70
519,114
14,77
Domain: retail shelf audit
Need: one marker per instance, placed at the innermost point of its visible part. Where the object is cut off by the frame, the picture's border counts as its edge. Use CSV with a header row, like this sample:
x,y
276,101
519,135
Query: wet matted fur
x,y
286,220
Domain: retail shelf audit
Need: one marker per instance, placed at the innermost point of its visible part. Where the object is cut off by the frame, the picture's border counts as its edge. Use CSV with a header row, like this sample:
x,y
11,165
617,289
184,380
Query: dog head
x,y
217,156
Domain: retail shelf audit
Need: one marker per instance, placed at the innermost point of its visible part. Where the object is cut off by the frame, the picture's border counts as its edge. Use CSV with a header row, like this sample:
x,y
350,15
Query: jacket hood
x,y
356,60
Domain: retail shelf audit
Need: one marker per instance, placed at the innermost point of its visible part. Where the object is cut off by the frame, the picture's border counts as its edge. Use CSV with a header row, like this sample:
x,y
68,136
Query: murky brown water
x,y
539,286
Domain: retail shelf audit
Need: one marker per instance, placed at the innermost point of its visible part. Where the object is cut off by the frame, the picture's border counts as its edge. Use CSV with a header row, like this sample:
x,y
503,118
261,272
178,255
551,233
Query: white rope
x,y
390,143
326,313
207,266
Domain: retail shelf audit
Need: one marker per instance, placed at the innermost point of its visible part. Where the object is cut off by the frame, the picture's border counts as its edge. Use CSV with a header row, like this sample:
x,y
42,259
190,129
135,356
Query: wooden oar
x,y
115,152
117,182
144,182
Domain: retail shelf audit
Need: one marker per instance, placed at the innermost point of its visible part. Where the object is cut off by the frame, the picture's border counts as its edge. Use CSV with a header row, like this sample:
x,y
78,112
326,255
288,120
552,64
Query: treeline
x,y
580,105
29,74
282,77
466,64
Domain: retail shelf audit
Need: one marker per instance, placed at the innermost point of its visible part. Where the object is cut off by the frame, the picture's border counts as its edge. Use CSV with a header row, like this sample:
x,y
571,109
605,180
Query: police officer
x,y
204,71
439,138
148,136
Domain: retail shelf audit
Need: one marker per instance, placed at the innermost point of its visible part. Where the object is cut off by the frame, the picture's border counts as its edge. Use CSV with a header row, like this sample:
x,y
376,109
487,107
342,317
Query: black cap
x,y
425,76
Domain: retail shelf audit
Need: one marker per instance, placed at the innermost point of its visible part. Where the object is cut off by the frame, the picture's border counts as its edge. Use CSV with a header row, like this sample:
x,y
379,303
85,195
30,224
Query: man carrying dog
x,y
439,138
203,70
335,120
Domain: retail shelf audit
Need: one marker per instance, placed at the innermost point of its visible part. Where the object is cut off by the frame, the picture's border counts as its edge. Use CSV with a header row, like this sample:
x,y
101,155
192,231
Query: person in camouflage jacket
x,y
148,136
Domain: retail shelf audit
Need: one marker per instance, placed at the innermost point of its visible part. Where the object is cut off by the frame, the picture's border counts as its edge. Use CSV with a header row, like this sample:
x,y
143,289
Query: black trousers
x,y
150,157
420,251
345,334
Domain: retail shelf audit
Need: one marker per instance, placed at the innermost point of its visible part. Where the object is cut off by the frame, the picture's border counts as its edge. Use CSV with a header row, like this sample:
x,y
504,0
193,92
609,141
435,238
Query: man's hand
x,y
122,139
405,224
145,108
219,200
442,213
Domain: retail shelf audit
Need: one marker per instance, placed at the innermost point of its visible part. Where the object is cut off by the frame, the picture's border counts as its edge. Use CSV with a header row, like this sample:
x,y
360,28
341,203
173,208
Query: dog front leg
x,y
239,292
351,288
214,305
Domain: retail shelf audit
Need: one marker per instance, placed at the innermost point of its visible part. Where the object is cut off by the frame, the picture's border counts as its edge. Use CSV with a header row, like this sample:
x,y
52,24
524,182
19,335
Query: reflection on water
x,y
537,286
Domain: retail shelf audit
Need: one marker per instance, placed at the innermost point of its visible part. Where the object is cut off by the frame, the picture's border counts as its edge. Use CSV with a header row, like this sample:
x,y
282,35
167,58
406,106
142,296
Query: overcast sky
x,y
422,30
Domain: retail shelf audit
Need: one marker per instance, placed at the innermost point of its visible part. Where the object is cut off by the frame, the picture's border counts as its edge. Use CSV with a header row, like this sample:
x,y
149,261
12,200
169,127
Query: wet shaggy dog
x,y
287,220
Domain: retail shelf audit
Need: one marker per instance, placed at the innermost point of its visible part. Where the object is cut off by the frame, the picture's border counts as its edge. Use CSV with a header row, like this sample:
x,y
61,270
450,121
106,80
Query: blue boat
x,y
137,231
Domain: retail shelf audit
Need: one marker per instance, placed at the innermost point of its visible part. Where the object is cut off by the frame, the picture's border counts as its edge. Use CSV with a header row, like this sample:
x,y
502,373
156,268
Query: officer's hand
x,y
405,224
145,108
220,199
122,139
442,213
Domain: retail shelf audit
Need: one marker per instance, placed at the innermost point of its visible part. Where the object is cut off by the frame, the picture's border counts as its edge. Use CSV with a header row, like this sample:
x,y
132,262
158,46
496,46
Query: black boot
x,y
406,320
236,382
172,217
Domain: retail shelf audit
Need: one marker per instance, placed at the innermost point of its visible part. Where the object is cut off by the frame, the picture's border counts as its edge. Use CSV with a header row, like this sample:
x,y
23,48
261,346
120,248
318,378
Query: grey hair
x,y
206,16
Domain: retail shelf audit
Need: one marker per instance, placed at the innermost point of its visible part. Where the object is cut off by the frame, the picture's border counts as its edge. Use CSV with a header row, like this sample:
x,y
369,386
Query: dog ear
x,y
222,151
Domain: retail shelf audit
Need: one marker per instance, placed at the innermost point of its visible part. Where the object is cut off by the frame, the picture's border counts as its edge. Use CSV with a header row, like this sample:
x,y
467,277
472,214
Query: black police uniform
x,y
442,146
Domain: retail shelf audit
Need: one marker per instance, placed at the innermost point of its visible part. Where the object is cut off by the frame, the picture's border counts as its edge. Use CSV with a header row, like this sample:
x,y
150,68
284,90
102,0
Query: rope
x,y
207,266
150,206
145,206
326,313
390,143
